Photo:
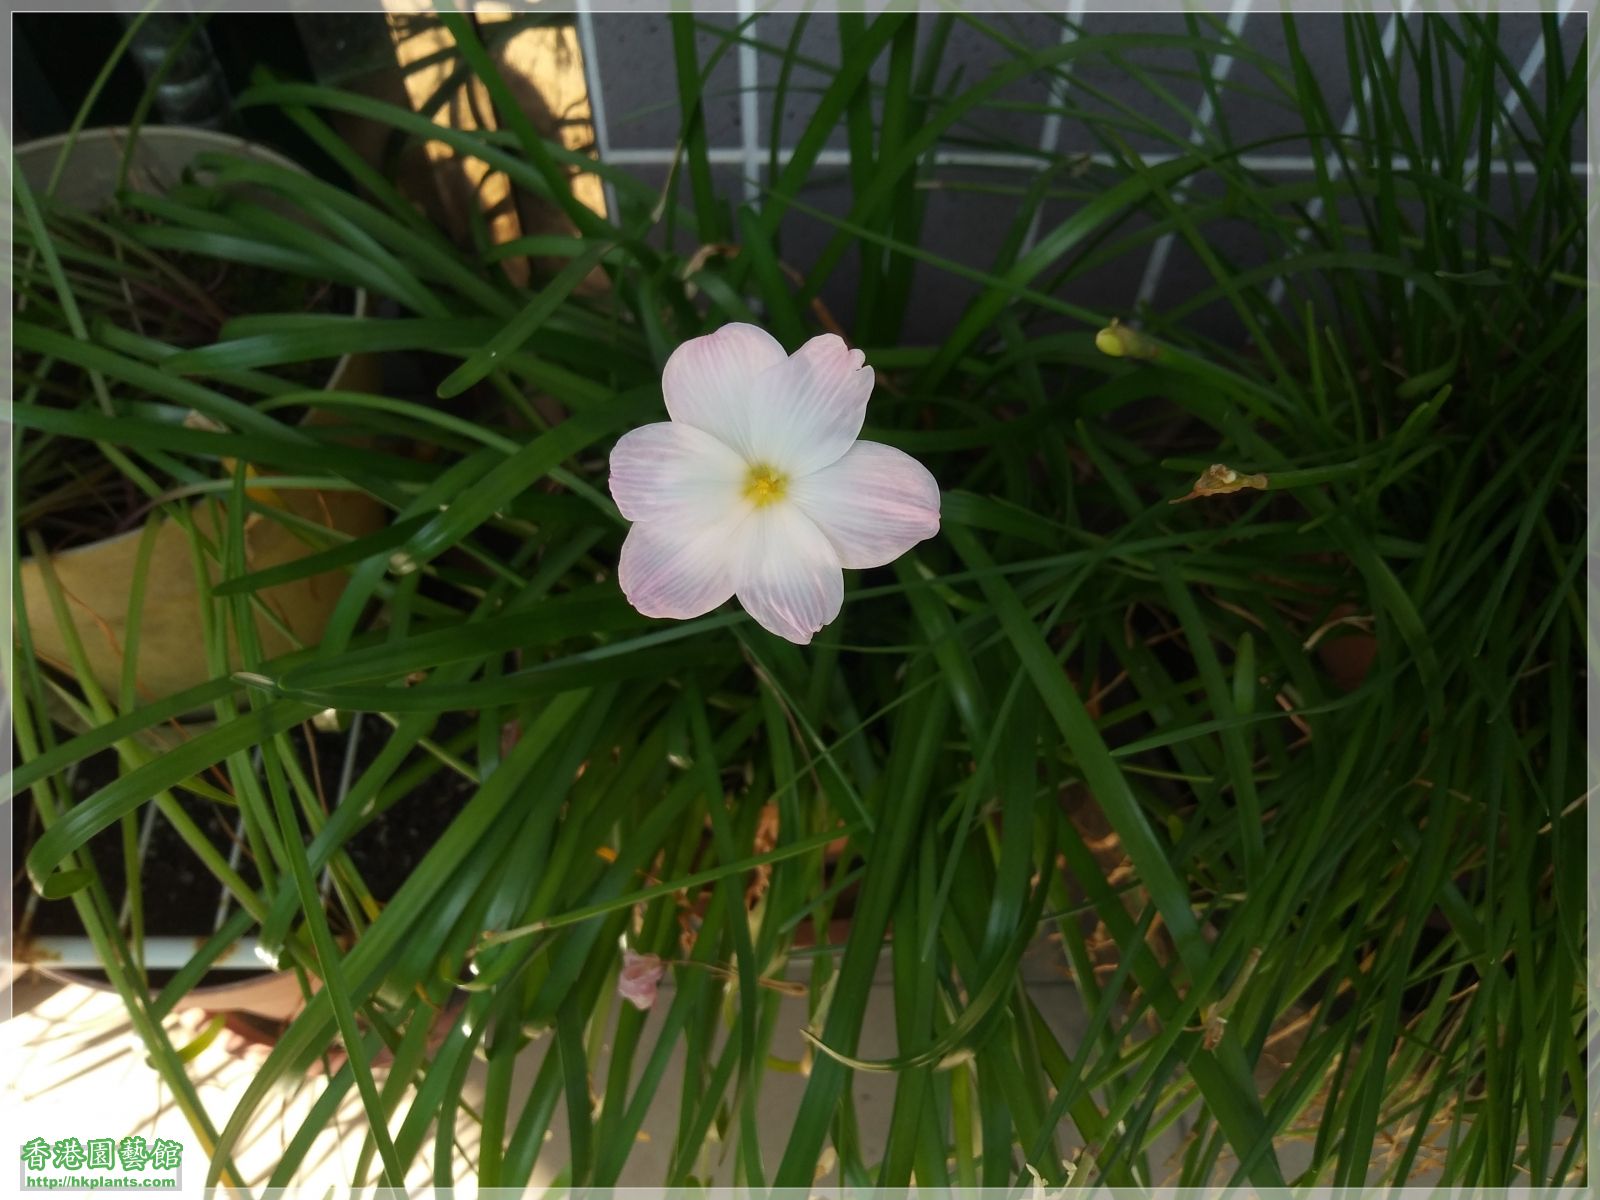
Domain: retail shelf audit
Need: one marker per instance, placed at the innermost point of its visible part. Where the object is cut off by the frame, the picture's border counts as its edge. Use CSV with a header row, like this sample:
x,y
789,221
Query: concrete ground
x,y
79,1070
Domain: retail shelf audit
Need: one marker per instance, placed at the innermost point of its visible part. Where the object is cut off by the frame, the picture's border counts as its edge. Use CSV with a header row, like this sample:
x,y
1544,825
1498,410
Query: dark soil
x,y
180,895
387,850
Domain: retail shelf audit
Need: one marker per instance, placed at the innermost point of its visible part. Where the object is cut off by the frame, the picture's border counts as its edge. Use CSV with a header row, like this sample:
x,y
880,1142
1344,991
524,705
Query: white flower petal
x,y
675,472
806,410
786,574
677,569
708,381
873,505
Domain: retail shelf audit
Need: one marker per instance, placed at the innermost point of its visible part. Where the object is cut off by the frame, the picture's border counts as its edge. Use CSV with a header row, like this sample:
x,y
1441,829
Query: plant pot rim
x,y
273,997
239,979
115,135
103,133
250,985
110,134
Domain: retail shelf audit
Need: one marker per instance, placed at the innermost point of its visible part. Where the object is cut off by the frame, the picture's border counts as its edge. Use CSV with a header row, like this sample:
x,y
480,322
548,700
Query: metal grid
x,y
630,69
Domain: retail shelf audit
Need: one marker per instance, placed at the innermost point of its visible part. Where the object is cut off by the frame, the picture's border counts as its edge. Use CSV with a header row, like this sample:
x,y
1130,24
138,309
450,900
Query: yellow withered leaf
x,y
194,419
1218,480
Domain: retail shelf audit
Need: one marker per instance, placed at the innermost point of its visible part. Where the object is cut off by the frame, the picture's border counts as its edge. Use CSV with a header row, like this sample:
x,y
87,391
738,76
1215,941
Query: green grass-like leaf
x,y
1288,783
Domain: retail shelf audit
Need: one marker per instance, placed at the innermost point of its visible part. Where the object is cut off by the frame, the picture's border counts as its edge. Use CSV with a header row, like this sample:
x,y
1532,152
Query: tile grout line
x,y
1535,60
1530,68
1050,132
1221,65
1513,99
732,156
749,109
1387,45
649,156
597,101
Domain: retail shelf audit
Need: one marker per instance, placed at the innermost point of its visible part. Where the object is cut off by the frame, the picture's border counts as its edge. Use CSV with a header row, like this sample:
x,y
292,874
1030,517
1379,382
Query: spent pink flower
x,y
640,975
757,486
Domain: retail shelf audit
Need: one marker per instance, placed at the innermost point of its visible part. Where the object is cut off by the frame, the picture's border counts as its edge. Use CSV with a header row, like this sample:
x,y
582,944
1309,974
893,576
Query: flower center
x,y
763,485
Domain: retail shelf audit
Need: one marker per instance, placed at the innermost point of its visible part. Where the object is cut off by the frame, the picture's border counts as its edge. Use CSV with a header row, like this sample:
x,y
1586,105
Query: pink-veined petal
x,y
709,381
807,409
677,569
641,974
873,505
786,574
675,472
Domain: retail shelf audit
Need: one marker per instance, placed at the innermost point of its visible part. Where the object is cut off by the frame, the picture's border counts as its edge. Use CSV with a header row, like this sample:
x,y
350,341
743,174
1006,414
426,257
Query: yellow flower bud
x,y
1118,341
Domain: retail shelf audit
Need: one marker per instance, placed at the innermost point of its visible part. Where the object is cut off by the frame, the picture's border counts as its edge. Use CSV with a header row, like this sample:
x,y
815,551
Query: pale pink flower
x,y
758,488
640,975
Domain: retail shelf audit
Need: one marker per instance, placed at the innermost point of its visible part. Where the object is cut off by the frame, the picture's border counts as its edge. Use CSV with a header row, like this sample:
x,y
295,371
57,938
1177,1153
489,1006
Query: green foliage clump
x,y
1289,777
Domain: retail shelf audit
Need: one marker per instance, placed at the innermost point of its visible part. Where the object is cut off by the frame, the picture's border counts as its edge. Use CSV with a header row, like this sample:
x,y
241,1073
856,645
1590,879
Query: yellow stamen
x,y
763,486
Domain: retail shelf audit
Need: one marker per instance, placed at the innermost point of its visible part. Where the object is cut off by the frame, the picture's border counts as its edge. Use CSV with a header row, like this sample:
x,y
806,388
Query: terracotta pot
x,y
97,578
